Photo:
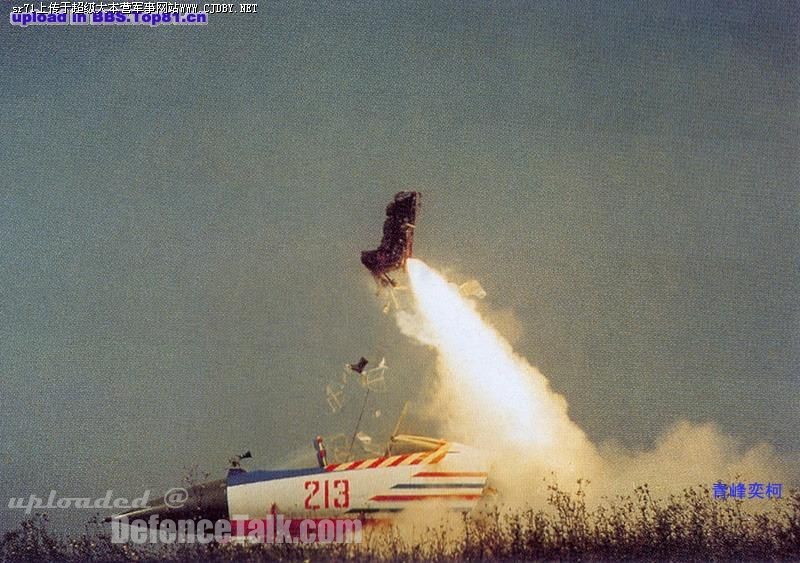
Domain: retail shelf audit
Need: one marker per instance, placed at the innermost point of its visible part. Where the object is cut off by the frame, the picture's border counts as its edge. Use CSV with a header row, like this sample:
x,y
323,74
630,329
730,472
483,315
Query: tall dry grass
x,y
687,526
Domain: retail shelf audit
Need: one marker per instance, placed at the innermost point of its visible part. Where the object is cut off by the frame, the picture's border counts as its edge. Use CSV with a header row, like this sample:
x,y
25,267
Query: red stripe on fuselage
x,y
399,460
420,458
376,463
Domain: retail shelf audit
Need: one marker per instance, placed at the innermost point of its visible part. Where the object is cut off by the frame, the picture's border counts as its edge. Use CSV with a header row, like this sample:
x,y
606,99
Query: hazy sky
x,y
182,210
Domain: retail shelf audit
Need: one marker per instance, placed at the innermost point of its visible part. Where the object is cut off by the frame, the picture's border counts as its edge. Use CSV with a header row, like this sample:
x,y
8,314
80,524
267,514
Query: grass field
x,y
688,526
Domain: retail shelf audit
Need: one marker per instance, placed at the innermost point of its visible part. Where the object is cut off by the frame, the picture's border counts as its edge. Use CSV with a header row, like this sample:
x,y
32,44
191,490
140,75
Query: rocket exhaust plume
x,y
487,394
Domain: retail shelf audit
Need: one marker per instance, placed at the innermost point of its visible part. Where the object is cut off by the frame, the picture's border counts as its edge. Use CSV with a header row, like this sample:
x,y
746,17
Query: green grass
x,y
688,526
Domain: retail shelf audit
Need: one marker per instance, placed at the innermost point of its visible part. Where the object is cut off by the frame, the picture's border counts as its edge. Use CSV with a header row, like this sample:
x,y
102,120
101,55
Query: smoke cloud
x,y
487,395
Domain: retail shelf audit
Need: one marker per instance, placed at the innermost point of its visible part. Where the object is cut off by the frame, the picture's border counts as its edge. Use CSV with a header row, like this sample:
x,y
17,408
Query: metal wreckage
x,y
409,471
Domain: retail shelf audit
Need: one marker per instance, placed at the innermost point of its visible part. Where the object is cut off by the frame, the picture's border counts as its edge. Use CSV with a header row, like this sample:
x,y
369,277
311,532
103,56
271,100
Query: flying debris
x,y
236,461
368,444
472,288
359,366
374,379
398,237
334,393
392,301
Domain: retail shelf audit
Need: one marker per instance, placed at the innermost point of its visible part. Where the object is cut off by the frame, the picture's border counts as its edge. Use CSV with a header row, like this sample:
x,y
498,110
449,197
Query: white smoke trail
x,y
489,396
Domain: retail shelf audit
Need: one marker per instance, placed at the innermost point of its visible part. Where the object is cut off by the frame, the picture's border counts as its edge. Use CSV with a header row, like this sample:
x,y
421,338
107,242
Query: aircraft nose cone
x,y
204,501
